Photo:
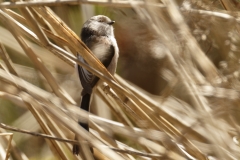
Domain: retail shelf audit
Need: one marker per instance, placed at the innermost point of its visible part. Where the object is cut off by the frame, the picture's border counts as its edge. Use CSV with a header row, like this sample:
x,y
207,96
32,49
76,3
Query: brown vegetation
x,y
181,60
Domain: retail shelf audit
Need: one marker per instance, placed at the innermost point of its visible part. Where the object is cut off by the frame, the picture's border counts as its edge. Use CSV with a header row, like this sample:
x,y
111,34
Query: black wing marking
x,y
86,78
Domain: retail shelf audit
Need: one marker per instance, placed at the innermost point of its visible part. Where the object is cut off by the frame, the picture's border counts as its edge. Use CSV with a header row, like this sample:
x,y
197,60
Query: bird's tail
x,y
85,106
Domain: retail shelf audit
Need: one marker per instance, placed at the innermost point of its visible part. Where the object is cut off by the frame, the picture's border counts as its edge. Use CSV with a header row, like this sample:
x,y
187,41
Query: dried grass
x,y
196,114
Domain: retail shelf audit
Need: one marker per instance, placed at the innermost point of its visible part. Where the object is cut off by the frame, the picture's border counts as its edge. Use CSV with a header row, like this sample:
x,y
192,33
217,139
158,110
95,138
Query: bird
x,y
98,35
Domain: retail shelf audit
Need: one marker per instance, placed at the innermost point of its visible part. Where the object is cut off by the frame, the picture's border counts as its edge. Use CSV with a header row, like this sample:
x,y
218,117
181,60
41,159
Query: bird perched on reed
x,y
97,33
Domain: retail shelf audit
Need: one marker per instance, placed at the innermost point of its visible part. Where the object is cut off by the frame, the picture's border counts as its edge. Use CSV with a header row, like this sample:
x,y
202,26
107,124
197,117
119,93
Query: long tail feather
x,y
85,106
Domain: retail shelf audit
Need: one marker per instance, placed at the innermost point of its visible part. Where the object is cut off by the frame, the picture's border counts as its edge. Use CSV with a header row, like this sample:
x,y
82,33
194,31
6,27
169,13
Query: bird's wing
x,y
86,77
103,49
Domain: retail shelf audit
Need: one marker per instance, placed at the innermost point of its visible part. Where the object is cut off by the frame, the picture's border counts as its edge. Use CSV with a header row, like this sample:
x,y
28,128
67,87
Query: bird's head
x,y
98,25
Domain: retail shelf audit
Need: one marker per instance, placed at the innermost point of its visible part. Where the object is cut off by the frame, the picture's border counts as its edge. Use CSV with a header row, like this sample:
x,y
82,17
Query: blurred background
x,y
144,42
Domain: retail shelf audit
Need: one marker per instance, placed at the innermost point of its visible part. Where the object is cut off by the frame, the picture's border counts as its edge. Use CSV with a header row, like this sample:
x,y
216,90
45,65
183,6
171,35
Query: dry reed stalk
x,y
200,59
117,130
141,112
39,117
76,43
228,5
117,112
39,64
159,131
8,145
125,150
119,3
32,104
7,60
161,111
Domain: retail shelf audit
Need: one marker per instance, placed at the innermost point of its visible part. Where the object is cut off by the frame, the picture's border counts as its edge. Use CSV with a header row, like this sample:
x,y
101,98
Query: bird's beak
x,y
111,23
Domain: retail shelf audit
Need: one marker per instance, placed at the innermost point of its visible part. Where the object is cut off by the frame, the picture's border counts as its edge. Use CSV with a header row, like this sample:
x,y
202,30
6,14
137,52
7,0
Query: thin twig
x,y
118,3
7,60
10,128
